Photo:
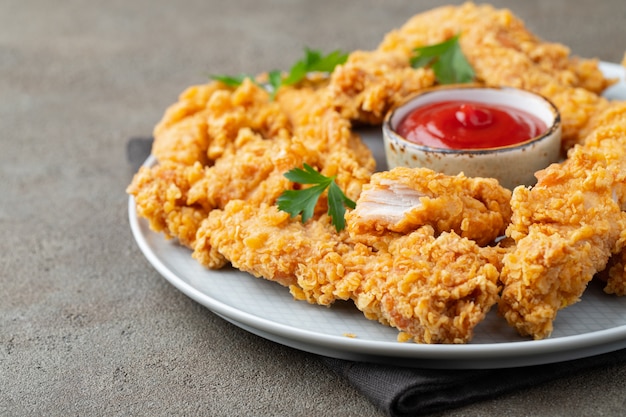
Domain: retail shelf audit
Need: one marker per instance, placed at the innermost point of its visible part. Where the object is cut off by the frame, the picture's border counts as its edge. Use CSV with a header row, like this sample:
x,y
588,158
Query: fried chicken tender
x,y
255,173
611,123
400,201
250,143
504,53
161,195
369,84
207,119
253,169
207,123
433,289
566,229
614,275
267,243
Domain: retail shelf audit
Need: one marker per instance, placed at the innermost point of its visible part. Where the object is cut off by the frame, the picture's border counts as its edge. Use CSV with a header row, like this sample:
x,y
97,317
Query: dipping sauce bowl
x,y
478,137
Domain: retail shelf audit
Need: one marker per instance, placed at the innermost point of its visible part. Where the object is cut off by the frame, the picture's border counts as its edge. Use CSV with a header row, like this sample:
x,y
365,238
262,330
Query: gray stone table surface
x,y
87,326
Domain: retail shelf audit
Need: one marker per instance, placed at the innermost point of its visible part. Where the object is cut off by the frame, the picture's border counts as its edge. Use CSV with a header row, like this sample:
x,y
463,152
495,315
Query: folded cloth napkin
x,y
401,391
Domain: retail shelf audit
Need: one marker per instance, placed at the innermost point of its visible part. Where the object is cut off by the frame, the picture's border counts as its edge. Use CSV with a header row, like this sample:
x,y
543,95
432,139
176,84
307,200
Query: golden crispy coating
x,y
332,147
566,228
434,289
161,197
498,46
250,144
504,53
610,124
369,84
252,169
614,275
207,119
266,243
255,173
400,201
181,134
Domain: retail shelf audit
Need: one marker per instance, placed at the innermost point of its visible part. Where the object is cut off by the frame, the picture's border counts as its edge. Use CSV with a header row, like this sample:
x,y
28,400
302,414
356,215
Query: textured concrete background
x,y
87,326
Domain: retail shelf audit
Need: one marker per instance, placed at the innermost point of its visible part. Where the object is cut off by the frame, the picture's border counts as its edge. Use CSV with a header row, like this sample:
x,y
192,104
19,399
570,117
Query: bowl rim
x,y
389,132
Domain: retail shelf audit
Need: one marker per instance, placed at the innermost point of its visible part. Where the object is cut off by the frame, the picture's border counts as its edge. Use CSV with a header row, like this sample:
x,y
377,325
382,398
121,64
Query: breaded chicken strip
x,y
433,289
612,123
207,123
504,53
493,31
255,172
251,143
369,84
267,243
400,201
207,119
253,168
175,198
614,275
566,228
161,197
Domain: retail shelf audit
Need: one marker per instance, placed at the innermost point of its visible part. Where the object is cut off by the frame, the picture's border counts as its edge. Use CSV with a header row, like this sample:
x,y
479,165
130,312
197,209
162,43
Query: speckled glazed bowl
x,y
512,165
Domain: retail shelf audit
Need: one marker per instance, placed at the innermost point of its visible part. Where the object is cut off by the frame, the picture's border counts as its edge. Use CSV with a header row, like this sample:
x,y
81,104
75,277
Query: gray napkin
x,y
137,151
400,391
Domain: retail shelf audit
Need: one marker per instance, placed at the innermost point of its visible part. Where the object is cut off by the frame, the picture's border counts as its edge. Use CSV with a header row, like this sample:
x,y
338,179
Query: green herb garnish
x,y
303,201
446,60
275,80
230,80
313,61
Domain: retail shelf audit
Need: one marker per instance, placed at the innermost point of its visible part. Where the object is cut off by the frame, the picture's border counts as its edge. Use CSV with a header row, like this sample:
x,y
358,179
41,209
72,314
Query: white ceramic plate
x,y
595,325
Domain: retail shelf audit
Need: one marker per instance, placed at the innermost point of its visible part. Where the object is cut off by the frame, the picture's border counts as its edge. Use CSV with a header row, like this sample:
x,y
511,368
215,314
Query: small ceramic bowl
x,y
512,165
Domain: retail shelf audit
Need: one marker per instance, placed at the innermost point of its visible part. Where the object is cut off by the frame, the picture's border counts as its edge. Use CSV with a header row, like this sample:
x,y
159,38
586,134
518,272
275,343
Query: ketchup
x,y
469,125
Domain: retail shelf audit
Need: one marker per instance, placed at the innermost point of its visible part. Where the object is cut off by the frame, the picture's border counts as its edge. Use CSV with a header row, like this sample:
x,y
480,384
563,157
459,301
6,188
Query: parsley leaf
x,y
229,80
295,202
313,61
308,175
274,80
447,61
303,201
337,201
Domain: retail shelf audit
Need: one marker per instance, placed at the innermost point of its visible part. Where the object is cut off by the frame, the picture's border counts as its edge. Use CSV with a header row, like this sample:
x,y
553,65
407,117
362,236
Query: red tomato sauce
x,y
468,125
